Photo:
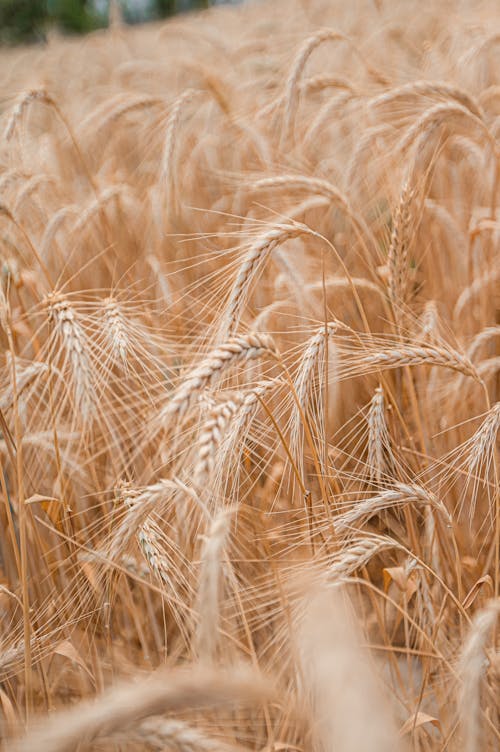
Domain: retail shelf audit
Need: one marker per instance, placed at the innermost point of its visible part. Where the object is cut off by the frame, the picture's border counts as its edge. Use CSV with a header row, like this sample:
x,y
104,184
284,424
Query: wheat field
x,y
249,382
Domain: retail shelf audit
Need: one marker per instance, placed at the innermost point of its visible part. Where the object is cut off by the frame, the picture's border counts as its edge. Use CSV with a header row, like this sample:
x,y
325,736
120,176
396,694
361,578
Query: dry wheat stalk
x,y
208,596
339,680
472,669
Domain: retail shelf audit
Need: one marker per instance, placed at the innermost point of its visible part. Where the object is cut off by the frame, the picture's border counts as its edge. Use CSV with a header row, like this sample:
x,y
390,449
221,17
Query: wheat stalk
x,y
472,667
208,596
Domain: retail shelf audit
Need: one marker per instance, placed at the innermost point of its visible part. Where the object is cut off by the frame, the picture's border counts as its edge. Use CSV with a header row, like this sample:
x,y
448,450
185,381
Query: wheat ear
x,y
254,260
379,445
397,257
242,348
211,435
69,329
126,705
435,89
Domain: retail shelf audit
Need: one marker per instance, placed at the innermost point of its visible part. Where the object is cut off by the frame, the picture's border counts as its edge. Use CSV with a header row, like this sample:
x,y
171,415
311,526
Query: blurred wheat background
x,y
249,381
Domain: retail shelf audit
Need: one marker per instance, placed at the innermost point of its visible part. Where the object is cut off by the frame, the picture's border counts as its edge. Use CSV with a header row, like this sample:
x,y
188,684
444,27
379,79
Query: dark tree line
x,y
28,20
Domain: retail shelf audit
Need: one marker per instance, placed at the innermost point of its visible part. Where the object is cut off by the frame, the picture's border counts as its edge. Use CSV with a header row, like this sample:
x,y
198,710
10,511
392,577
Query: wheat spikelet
x,y
241,421
429,322
444,113
292,85
75,343
167,170
481,339
434,89
167,733
401,494
472,669
35,95
357,555
24,376
314,185
53,226
322,81
115,329
397,256
379,445
112,111
483,441
291,89
148,534
210,437
139,503
254,260
467,295
237,349
127,704
419,354
96,205
313,352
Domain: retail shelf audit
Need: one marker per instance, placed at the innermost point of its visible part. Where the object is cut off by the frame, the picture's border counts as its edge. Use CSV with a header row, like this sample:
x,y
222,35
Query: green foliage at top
x,y
28,20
